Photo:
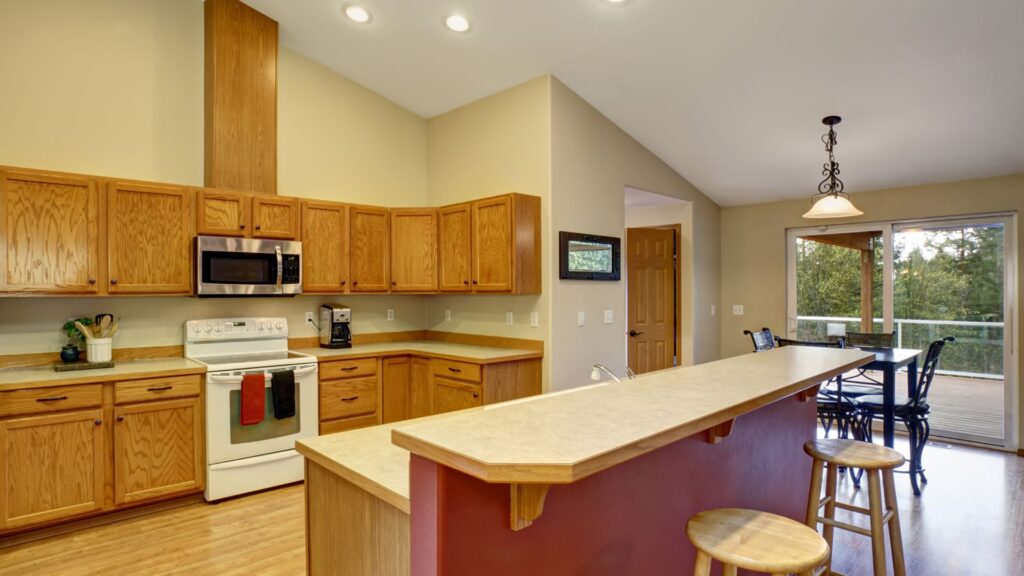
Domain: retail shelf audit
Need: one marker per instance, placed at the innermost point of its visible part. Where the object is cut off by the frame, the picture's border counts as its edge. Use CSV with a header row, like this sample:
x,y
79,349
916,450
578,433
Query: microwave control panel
x,y
290,269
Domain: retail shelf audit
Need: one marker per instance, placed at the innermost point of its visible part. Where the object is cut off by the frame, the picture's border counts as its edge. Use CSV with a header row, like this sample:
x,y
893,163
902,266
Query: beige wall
x,y
593,161
495,145
679,214
754,243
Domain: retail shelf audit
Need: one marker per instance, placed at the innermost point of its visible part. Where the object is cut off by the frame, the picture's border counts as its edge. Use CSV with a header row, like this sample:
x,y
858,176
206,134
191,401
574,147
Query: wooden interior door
x,y
368,242
455,233
492,245
222,213
396,390
50,233
157,449
275,217
650,295
52,467
149,238
414,250
324,247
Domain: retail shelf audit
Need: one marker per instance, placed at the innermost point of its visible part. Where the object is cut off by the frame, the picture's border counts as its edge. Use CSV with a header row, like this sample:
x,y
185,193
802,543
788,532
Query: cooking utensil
x,y
105,325
99,322
84,330
113,328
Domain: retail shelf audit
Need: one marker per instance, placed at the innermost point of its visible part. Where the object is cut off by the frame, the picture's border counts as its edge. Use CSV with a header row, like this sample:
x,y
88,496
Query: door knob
x,y
634,333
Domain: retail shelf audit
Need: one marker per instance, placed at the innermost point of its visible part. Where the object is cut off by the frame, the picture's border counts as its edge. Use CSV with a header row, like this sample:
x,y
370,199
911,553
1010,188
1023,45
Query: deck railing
x,y
978,352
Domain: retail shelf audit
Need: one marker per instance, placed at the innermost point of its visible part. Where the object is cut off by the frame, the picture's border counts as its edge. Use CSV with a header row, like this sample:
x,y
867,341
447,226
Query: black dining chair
x,y
834,409
763,340
912,411
862,384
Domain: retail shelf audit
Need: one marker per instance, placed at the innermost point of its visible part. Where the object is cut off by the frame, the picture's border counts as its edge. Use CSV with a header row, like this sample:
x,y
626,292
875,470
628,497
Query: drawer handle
x,y
159,388
52,399
456,370
350,399
350,368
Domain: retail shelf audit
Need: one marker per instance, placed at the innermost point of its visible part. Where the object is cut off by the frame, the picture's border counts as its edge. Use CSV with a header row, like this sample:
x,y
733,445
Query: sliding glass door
x,y
921,281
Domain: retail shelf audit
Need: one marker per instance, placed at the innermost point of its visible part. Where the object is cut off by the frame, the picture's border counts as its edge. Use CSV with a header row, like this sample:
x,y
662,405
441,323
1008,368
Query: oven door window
x,y
239,268
270,427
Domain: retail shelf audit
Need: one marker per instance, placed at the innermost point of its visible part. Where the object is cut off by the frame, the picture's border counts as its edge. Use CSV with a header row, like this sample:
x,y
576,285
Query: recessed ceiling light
x,y
457,23
357,13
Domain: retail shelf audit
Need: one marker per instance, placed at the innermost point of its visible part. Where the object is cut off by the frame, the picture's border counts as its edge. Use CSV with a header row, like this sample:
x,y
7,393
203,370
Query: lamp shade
x,y
833,207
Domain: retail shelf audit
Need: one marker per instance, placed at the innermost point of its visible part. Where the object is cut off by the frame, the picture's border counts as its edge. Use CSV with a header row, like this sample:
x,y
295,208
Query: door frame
x,y
1011,338
677,318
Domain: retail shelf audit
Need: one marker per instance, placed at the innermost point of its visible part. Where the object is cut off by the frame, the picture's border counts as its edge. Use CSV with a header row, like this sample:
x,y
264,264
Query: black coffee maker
x,y
334,326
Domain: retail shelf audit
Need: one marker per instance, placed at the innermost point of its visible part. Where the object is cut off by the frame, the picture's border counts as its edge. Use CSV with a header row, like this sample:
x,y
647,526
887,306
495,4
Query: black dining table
x,y
888,361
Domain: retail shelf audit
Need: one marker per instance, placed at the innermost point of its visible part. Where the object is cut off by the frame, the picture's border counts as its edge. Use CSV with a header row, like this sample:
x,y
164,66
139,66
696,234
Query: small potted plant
x,y
70,351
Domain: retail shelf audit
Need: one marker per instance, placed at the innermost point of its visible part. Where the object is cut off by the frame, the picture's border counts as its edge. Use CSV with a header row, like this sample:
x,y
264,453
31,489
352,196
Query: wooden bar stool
x,y
755,541
878,463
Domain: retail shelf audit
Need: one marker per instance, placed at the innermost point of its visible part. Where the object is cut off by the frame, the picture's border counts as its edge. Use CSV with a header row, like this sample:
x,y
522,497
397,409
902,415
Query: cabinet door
x,y
157,449
492,245
395,401
414,250
368,242
52,467
455,248
451,395
222,213
419,388
275,217
324,247
49,241
149,238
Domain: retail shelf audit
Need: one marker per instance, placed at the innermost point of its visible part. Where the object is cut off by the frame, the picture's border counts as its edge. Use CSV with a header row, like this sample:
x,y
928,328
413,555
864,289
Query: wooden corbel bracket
x,y
808,394
527,503
720,432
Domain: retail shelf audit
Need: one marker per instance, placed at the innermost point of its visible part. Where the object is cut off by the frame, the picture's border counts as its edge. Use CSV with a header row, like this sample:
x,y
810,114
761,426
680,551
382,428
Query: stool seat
x,y
854,453
757,541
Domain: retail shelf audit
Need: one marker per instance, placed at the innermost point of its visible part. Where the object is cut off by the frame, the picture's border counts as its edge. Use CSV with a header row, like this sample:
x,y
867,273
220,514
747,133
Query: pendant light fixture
x,y
831,201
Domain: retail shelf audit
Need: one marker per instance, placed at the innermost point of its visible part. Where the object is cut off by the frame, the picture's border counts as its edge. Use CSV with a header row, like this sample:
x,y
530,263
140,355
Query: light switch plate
x,y
609,316
447,314
509,319
737,309
391,314
534,319
581,318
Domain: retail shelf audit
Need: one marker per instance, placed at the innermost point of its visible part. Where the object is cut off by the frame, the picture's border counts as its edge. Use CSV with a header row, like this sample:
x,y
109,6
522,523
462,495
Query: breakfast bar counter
x,y
595,480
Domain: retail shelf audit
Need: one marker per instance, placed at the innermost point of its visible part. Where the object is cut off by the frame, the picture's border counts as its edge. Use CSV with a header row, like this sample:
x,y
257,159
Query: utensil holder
x,y
99,349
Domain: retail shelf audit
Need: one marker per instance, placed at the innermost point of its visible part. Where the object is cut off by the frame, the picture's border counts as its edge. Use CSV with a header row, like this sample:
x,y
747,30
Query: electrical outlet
x,y
737,309
391,314
713,310
310,318
509,319
447,314
581,318
534,319
609,316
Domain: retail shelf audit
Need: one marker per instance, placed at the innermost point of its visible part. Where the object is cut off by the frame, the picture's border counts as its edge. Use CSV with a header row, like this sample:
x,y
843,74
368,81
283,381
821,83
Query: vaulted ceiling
x,y
729,93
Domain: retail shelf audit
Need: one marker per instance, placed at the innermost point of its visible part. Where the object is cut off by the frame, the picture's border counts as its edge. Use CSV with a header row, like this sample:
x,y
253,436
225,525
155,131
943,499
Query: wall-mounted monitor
x,y
588,257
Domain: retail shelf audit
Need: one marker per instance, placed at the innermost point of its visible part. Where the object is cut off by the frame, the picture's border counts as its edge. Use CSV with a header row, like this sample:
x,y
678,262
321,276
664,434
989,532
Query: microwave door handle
x,y
280,266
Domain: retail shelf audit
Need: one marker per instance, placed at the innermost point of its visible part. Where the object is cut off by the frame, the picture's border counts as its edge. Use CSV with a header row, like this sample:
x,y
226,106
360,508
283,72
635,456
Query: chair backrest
x,y
763,340
787,342
871,339
931,362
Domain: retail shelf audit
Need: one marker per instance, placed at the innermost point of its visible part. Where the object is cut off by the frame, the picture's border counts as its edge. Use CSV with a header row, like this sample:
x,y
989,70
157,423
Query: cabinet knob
x,y
241,226
466,282
113,281
120,418
97,421
393,283
258,226
342,282
92,280
355,283
475,282
476,394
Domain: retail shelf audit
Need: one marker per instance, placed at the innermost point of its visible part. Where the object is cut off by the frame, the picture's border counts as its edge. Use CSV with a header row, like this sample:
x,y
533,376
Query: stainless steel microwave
x,y
247,267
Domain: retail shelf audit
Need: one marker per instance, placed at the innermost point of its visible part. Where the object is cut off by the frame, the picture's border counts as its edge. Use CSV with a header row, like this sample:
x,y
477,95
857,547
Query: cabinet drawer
x,y
344,398
458,370
348,368
37,400
156,389
343,424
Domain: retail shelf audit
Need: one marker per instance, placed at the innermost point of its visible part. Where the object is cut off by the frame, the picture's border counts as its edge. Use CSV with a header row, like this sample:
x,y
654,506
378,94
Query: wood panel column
x,y
241,98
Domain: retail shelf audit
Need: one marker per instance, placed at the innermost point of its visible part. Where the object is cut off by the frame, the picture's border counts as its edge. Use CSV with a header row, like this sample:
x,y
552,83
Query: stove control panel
x,y
215,329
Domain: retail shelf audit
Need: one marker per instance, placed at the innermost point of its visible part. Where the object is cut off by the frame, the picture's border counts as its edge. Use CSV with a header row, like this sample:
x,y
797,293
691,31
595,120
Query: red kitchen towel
x,y
253,398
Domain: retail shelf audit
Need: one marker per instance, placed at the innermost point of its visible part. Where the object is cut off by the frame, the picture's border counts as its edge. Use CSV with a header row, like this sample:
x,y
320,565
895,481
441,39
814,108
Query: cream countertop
x,y
468,353
38,376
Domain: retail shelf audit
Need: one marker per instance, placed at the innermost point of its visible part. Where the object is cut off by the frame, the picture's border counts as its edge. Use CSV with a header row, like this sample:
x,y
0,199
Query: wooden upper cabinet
x,y
157,449
455,248
368,243
49,233
51,467
492,245
414,250
275,217
149,238
222,213
324,247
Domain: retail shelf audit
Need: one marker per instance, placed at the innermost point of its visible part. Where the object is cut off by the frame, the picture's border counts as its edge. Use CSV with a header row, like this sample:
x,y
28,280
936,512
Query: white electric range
x,y
245,458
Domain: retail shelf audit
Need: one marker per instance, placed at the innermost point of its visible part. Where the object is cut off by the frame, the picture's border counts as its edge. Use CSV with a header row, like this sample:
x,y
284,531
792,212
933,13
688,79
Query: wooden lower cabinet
x,y
53,467
396,389
419,387
451,395
157,449
349,394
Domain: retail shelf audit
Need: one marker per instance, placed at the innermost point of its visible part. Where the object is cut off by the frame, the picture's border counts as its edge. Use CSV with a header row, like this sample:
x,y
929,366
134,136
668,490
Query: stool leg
x,y
895,535
728,570
814,494
877,532
703,565
831,483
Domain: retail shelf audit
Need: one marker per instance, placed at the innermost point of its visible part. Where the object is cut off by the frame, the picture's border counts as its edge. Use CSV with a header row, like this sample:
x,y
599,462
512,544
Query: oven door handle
x,y
216,379
280,266
304,371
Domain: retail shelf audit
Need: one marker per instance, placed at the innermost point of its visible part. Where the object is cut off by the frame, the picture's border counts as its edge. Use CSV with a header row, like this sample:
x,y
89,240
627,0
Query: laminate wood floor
x,y
968,522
